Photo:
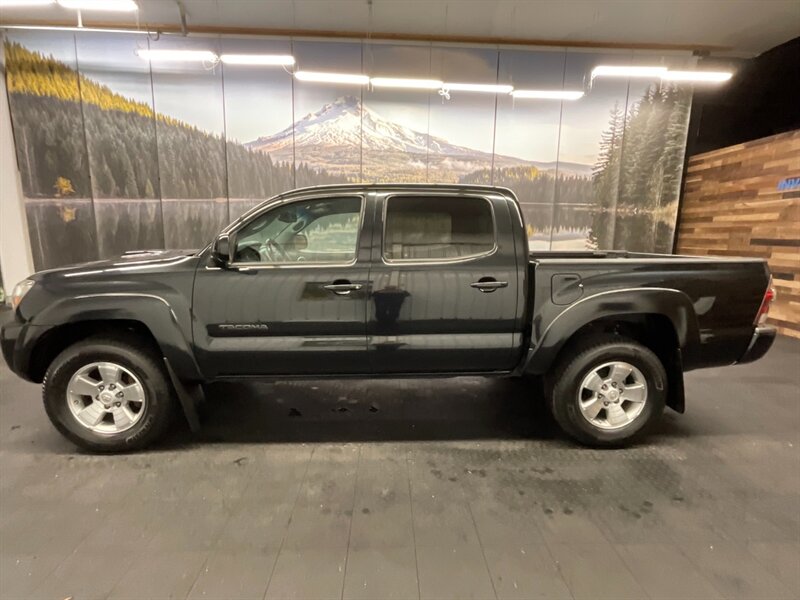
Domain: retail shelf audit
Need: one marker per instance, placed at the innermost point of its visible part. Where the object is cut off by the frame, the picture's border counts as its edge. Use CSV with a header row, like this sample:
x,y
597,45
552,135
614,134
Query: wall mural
x,y
117,153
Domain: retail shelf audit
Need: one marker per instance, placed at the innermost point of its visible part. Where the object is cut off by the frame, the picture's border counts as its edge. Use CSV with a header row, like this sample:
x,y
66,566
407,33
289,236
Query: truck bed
x,y
721,295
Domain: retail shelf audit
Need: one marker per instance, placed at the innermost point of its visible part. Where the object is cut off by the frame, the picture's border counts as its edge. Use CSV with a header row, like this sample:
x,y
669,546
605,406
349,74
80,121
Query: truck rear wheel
x,y
608,392
108,395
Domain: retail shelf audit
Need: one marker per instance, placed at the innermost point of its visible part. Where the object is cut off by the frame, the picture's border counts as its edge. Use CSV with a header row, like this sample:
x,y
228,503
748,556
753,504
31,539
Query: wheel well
x,y
653,331
59,338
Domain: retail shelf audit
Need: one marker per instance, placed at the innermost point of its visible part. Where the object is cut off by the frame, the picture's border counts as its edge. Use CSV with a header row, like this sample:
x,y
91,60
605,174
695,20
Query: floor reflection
x,y
384,410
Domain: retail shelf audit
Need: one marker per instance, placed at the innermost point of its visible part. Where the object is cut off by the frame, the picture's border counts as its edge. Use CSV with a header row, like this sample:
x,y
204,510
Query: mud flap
x,y
676,398
190,398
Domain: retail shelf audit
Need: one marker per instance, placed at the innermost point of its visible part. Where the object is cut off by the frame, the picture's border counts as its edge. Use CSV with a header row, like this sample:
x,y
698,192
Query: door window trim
x,y
304,264
435,261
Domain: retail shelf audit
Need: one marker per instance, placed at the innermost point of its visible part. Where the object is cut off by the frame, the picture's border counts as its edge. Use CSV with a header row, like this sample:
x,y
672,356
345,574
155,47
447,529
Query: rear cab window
x,y
437,228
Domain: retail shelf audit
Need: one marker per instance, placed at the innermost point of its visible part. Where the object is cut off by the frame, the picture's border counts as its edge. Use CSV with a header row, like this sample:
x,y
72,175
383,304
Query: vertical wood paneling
x,y
734,205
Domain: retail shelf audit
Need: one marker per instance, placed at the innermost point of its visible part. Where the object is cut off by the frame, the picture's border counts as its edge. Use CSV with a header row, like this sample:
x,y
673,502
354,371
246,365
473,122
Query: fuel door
x,y
566,288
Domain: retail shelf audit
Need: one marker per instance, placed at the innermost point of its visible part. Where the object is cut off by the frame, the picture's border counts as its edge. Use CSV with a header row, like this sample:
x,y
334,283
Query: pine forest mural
x,y
116,155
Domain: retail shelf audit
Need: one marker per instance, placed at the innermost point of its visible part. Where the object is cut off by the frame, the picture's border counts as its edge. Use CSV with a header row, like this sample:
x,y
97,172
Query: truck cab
x,y
361,282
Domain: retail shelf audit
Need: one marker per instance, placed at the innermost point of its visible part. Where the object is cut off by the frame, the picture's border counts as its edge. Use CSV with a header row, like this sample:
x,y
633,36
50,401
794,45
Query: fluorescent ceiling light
x,y
352,78
629,71
102,5
178,55
477,87
702,76
84,29
415,84
17,3
548,94
257,59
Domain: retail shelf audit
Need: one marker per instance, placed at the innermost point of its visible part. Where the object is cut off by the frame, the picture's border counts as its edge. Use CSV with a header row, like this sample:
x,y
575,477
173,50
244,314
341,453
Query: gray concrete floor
x,y
412,489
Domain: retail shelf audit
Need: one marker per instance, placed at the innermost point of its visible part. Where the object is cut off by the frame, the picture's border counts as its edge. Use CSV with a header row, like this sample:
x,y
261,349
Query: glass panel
x,y
592,130
437,227
526,146
317,231
190,131
651,164
327,126
44,100
258,124
459,154
117,98
395,121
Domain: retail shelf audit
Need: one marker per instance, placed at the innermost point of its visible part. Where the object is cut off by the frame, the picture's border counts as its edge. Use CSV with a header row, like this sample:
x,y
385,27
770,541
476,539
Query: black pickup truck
x,y
380,281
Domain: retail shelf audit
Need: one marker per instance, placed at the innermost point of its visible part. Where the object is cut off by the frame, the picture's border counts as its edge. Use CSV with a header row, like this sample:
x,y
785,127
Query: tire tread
x,y
156,374
577,353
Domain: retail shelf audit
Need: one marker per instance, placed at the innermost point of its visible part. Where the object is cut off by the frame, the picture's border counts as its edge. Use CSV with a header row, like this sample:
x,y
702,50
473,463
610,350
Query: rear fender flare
x,y
673,304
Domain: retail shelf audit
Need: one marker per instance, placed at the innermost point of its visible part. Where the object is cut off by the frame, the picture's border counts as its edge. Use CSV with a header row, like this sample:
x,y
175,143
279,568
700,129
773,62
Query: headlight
x,y
22,288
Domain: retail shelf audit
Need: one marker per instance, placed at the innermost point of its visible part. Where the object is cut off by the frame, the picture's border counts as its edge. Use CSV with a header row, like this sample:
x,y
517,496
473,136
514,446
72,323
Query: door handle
x,y
246,270
488,285
342,288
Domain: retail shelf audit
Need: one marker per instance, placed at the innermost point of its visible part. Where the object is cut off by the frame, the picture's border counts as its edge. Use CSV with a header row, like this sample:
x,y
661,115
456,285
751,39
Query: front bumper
x,y
760,343
12,337
9,332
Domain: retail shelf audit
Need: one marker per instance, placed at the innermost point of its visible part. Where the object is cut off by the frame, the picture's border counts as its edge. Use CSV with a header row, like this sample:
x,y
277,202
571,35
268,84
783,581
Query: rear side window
x,y
437,227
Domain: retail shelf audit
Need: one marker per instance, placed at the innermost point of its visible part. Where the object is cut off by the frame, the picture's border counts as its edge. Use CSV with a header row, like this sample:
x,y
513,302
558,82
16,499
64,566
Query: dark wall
x,y
762,99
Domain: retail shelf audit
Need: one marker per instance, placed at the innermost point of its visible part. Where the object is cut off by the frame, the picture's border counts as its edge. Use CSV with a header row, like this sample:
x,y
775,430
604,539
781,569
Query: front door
x,y
445,285
293,298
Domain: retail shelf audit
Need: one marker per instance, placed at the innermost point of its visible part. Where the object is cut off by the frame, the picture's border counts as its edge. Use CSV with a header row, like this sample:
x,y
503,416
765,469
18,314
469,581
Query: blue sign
x,y
790,183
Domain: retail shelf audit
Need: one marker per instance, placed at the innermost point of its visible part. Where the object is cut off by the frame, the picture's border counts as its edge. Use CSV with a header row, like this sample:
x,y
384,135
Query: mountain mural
x,y
342,133
103,172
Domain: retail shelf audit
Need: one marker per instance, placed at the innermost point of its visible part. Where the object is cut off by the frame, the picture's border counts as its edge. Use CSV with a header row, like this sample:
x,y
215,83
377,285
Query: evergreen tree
x,y
605,179
104,181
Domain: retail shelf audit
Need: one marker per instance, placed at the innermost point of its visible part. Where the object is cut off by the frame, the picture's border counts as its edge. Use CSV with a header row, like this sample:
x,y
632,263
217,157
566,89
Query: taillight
x,y
763,310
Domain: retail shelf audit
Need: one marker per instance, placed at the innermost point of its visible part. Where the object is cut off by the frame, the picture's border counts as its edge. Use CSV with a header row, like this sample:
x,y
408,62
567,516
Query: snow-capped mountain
x,y
342,134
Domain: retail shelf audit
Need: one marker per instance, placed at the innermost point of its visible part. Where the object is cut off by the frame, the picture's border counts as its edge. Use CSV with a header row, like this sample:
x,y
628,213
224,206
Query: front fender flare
x,y
154,312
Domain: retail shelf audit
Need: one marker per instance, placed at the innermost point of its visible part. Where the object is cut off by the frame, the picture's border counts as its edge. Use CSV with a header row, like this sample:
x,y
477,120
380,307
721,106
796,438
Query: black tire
x,y
562,389
136,356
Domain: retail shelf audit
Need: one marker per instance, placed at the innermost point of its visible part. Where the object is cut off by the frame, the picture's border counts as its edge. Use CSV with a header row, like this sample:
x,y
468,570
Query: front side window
x,y
323,230
437,227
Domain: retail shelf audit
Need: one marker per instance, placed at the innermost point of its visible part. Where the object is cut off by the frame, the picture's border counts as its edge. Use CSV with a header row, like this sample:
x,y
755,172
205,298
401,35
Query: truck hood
x,y
129,261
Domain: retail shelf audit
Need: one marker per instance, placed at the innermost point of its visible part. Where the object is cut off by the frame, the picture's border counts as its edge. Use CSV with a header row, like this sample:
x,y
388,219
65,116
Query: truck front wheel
x,y
608,391
108,395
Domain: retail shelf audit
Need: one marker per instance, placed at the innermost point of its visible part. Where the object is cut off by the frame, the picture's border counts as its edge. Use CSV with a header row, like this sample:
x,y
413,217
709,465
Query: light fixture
x,y
697,76
351,78
83,29
257,59
178,55
627,71
548,94
414,84
477,87
101,5
21,3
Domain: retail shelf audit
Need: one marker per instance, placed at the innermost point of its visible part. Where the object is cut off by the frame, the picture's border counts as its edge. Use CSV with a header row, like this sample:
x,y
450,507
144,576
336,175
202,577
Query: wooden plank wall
x,y
737,202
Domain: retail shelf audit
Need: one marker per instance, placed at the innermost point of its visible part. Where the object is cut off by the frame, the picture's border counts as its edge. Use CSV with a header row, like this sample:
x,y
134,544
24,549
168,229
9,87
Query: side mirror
x,y
222,248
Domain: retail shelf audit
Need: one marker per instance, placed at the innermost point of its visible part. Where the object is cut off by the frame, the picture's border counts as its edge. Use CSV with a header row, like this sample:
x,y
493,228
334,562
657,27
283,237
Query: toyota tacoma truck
x,y
380,281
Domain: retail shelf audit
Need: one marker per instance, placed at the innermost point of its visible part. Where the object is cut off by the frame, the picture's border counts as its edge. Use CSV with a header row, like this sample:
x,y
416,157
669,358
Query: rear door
x,y
293,299
444,295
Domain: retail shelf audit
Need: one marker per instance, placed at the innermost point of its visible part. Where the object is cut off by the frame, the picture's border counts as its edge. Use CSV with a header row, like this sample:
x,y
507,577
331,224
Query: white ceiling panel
x,y
745,26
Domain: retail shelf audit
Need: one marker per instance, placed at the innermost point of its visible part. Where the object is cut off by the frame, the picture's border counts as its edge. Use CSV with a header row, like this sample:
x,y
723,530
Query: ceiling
x,y
738,27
